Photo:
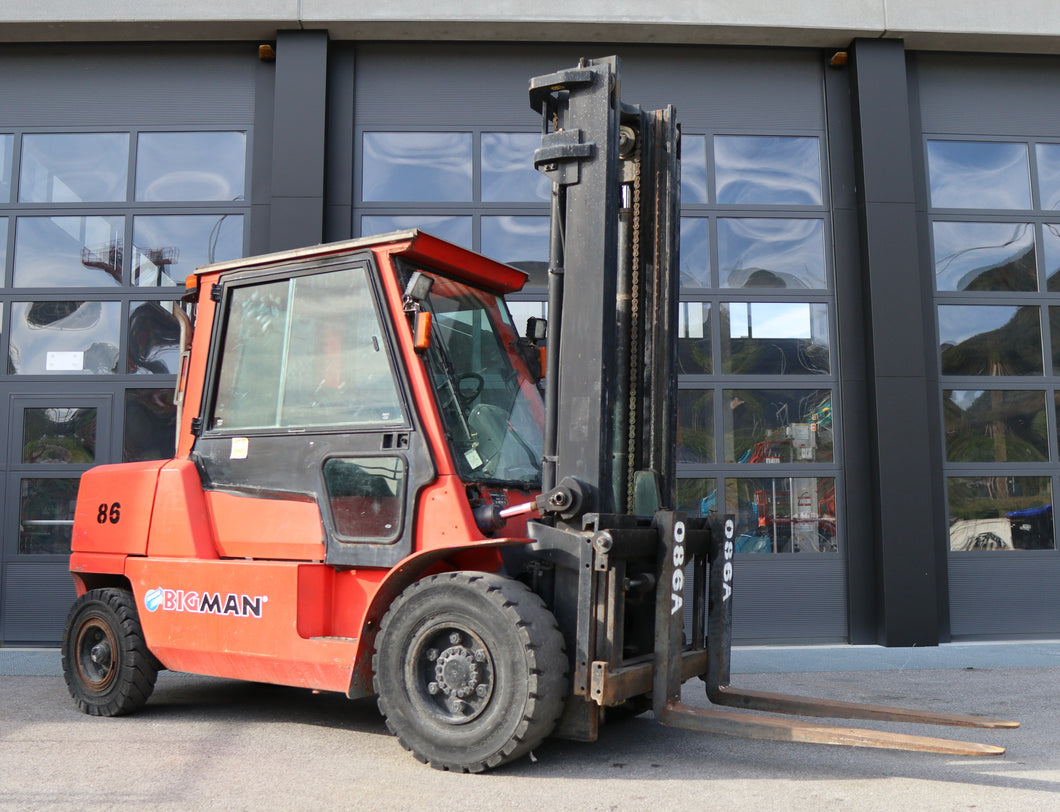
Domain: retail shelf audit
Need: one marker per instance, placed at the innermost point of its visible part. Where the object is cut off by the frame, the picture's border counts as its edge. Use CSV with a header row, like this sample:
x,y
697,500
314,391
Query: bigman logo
x,y
204,603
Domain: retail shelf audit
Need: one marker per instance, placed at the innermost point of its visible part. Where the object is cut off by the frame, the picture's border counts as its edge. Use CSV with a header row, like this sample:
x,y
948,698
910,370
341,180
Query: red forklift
x,y
371,494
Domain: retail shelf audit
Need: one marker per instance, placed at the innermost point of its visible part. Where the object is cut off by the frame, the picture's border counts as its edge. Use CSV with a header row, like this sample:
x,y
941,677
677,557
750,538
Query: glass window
x,y
150,425
367,496
693,168
73,167
1000,513
308,351
774,338
416,166
1051,255
783,514
166,248
697,496
69,251
523,311
777,425
695,252
985,256
758,252
153,338
990,340
519,241
695,426
693,338
191,166
46,516
995,425
456,230
55,338
978,175
1048,156
508,173
768,170
7,142
59,435
3,250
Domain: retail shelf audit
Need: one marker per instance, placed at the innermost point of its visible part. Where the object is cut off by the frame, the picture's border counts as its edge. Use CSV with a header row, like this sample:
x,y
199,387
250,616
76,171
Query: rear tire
x,y
470,670
107,666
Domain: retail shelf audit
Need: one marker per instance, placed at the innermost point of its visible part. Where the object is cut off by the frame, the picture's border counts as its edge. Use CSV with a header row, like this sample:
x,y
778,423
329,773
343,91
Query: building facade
x,y
870,261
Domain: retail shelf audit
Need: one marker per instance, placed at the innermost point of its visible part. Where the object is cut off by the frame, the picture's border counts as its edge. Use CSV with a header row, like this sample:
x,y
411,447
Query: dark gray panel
x,y
36,598
789,598
453,85
989,95
298,126
108,86
988,593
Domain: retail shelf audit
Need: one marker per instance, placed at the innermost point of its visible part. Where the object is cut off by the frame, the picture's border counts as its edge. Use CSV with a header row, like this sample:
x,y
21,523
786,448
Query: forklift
x,y
371,494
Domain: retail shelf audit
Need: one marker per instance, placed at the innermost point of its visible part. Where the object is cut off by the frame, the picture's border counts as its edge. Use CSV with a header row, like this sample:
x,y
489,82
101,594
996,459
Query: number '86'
x,y
109,513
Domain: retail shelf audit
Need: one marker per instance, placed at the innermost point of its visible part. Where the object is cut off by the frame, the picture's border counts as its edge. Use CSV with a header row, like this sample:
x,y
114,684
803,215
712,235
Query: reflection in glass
x,y
57,338
774,338
416,166
518,241
695,426
985,256
508,173
693,168
166,248
150,425
191,166
768,170
777,425
783,514
978,175
453,229
693,338
771,253
995,425
1000,513
1048,156
46,516
990,340
697,496
1051,255
367,496
7,142
59,435
695,252
153,339
73,167
69,251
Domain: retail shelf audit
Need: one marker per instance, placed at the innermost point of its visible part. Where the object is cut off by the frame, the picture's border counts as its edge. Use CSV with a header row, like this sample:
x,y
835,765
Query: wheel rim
x,y
450,673
95,649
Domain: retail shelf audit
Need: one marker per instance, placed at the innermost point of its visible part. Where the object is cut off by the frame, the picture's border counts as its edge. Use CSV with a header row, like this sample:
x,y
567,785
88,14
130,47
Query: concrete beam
x,y
1027,26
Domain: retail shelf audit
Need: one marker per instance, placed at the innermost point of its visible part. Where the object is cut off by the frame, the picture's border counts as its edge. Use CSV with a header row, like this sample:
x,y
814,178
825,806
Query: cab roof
x,y
413,245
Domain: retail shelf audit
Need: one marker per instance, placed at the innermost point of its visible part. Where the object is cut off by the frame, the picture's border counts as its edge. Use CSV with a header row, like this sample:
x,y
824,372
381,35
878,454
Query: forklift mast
x,y
610,393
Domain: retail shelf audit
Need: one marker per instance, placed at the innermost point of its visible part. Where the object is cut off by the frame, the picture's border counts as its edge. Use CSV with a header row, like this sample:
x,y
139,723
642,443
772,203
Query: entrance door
x,y
54,438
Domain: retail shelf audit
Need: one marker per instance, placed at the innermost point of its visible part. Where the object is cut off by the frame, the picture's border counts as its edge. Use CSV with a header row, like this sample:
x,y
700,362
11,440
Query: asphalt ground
x,y
205,743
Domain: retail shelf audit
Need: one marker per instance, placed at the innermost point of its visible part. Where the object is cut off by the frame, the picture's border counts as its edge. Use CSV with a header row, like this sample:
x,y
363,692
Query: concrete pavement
x,y
204,743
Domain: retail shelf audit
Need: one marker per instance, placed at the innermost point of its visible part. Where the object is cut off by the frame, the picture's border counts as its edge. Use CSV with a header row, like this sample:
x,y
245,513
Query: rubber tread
x,y
541,643
137,667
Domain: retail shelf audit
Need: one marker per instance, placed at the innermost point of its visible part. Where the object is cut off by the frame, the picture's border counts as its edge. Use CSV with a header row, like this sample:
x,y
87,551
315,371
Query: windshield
x,y
493,412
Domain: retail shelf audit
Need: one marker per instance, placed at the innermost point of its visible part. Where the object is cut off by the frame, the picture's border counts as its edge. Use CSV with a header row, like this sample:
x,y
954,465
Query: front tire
x,y
470,670
107,666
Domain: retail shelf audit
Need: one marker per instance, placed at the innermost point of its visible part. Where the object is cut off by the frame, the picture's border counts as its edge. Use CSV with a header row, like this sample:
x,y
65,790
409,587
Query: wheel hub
x,y
459,677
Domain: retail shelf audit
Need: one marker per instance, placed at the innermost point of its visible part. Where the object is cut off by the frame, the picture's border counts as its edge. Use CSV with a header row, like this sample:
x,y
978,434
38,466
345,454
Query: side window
x,y
366,496
307,351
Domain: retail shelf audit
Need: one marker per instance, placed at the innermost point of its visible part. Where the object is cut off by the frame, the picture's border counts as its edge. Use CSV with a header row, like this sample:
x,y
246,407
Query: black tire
x,y
107,666
470,670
